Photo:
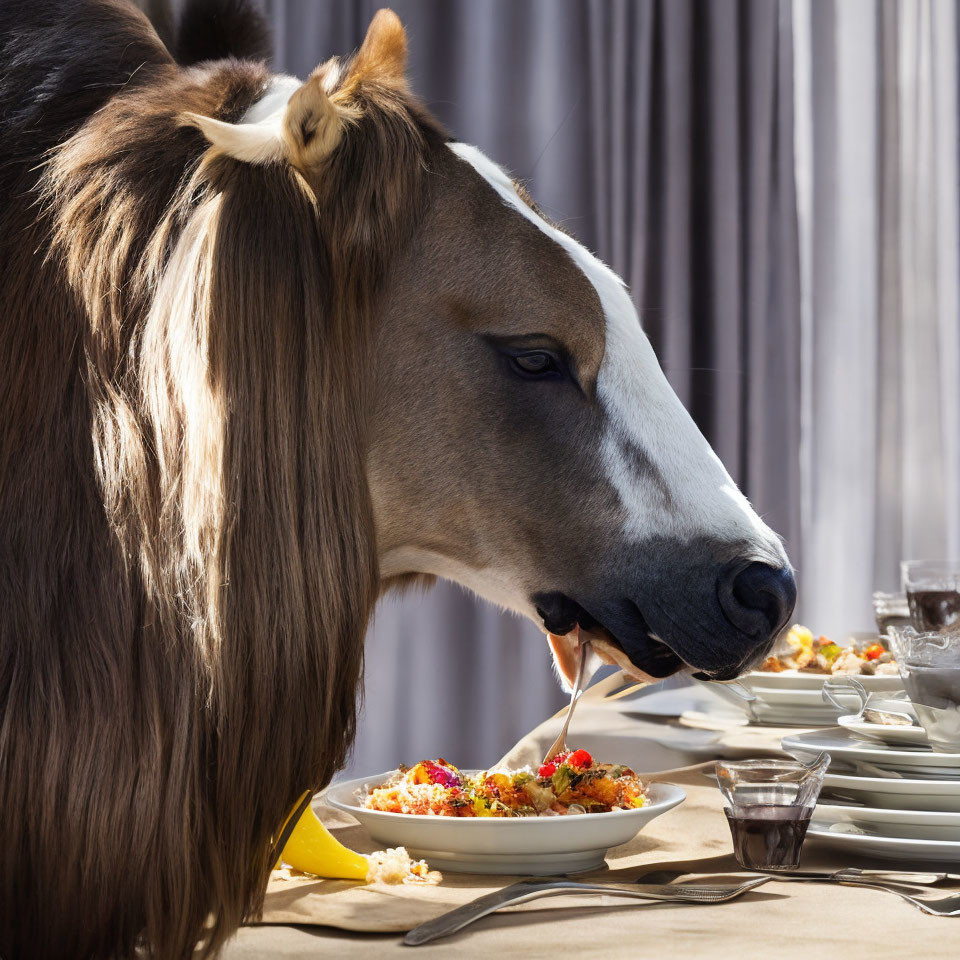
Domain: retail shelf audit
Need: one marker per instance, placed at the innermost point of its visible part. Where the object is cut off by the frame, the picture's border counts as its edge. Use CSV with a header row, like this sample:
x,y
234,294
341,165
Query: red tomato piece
x,y
580,758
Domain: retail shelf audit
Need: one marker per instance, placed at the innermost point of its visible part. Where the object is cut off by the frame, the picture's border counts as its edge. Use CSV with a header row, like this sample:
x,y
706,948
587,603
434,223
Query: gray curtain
x,y
878,171
660,133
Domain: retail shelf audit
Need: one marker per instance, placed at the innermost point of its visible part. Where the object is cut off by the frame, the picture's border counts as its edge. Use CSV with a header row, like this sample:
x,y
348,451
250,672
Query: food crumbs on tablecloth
x,y
393,866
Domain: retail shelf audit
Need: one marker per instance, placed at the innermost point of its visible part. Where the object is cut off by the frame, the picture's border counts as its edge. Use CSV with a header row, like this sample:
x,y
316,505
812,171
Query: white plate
x,y
537,846
842,745
792,698
905,824
797,680
894,736
894,793
786,707
889,848
793,716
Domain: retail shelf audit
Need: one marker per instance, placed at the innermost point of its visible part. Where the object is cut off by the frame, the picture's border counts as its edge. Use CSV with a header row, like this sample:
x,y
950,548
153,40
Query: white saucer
x,y
842,745
889,848
884,733
894,792
536,846
905,824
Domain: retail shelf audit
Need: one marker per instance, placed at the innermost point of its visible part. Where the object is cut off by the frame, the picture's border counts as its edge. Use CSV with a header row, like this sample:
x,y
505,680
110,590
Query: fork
x,y
533,889
948,906
941,907
560,744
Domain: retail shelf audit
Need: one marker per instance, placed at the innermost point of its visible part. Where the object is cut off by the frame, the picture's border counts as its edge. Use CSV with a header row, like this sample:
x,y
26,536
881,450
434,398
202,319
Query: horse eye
x,y
536,363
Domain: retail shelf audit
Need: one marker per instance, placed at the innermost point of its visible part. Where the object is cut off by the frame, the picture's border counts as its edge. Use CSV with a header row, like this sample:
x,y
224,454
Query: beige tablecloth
x,y
780,920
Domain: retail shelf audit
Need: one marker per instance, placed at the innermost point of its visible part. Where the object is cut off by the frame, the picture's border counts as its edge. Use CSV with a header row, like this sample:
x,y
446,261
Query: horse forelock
x,y
222,314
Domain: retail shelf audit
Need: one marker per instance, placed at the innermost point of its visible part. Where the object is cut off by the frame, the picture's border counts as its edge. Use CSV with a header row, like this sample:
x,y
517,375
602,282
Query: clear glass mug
x,y
929,663
768,804
933,593
890,610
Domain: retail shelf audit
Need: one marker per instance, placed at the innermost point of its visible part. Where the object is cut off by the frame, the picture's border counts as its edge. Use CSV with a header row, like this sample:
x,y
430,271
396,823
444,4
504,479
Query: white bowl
x,y
535,846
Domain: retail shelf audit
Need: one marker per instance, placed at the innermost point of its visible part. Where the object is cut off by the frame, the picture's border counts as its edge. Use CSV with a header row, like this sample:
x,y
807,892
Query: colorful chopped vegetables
x,y
570,782
822,655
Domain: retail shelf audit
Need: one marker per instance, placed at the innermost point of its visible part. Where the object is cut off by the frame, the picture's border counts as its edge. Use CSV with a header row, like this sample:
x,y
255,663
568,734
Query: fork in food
x,y
560,744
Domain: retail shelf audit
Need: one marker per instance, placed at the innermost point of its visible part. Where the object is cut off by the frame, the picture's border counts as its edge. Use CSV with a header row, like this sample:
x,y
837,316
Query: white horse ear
x,y
259,142
303,131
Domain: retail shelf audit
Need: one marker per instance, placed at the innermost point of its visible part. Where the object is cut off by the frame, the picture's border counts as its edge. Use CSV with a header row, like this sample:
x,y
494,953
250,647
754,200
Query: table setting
x,y
792,792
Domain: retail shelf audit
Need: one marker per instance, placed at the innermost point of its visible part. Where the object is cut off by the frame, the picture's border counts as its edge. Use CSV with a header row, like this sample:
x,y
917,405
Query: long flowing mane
x,y
187,563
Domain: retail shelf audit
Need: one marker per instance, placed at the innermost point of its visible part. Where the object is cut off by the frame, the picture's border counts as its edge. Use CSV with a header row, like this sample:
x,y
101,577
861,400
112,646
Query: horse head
x,y
523,440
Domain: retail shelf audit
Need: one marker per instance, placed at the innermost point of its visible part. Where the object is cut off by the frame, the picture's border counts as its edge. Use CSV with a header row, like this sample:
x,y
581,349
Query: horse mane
x,y
188,560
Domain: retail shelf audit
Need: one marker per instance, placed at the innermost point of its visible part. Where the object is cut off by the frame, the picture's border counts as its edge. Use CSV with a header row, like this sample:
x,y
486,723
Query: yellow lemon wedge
x,y
313,849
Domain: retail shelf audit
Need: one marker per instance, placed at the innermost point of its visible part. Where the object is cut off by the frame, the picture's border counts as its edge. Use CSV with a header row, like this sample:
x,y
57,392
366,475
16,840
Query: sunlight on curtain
x,y
877,172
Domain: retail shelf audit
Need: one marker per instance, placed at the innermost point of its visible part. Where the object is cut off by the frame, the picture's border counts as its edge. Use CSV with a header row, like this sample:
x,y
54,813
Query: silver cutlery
x,y
527,890
948,906
910,878
560,744
891,882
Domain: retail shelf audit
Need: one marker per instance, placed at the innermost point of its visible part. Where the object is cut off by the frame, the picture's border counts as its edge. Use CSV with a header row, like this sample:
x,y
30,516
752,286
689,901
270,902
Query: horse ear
x,y
312,124
304,132
383,55
259,142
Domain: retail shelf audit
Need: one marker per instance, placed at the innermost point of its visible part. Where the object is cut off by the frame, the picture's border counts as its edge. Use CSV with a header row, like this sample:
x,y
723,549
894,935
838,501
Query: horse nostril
x,y
758,599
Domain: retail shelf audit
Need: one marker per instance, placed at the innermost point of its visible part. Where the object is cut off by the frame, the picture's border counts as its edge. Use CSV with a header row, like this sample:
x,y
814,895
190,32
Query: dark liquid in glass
x,y
934,609
768,837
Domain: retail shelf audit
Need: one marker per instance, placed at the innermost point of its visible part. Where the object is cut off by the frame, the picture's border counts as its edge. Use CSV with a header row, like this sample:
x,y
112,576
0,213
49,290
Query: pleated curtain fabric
x,y
877,177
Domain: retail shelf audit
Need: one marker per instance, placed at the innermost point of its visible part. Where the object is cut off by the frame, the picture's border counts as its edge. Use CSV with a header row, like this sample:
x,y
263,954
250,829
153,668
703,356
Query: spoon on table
x,y
560,744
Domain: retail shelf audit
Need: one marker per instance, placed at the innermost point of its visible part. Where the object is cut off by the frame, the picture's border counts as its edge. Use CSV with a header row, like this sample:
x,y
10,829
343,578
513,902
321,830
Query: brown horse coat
x,y
187,562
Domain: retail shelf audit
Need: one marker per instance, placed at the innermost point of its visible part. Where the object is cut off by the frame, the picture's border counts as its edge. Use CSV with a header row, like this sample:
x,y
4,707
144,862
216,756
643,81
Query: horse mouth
x,y
625,641
653,662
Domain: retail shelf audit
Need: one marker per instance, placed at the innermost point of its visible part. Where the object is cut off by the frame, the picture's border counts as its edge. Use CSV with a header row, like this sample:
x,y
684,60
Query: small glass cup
x,y
933,593
768,804
890,610
929,663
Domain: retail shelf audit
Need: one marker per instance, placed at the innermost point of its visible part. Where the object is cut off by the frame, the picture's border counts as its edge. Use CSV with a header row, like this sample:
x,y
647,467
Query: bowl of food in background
x,y
787,688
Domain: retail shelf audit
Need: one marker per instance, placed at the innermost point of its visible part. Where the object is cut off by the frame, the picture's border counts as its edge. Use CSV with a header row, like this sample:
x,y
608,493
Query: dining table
x,y
671,736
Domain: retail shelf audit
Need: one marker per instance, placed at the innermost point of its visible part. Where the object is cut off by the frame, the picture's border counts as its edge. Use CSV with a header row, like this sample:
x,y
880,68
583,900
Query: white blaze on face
x,y
669,480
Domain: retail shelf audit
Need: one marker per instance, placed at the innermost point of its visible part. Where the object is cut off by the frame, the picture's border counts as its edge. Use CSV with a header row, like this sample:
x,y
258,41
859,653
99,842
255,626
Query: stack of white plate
x,y
792,698
887,793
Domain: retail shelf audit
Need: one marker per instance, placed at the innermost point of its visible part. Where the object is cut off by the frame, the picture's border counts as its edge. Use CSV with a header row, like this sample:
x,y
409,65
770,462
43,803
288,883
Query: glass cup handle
x,y
737,692
851,685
